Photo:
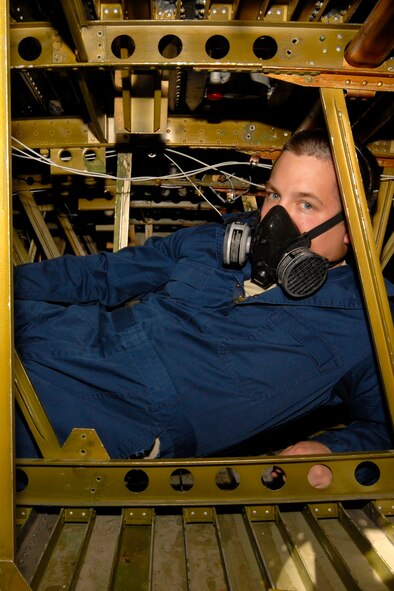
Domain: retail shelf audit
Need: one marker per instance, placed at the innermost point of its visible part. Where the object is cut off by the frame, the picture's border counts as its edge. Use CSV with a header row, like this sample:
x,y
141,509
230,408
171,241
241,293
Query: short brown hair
x,y
315,142
310,142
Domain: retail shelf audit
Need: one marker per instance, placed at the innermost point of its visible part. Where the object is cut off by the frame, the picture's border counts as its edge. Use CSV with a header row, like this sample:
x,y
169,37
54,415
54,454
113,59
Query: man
x,y
167,347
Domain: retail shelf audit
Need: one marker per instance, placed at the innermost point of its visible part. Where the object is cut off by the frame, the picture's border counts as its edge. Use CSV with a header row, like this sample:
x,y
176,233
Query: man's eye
x,y
306,205
273,196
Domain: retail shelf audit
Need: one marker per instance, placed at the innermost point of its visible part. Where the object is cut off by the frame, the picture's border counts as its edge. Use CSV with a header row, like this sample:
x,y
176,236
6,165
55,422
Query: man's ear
x,y
346,238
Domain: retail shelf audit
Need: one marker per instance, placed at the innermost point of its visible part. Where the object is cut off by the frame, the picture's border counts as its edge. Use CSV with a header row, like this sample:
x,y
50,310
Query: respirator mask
x,y
279,253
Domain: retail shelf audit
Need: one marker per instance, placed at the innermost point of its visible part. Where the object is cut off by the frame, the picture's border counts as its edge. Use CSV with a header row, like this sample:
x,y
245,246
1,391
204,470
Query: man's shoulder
x,y
389,287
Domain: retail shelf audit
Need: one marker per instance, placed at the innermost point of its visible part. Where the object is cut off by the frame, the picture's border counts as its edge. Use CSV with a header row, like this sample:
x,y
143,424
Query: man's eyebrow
x,y
302,194
269,185
313,196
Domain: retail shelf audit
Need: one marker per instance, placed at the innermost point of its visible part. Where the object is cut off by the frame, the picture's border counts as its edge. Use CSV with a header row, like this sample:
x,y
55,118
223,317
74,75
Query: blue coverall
x,y
157,341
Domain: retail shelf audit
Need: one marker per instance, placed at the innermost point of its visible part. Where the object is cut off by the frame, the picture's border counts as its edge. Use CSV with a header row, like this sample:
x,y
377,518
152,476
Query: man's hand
x,y
319,476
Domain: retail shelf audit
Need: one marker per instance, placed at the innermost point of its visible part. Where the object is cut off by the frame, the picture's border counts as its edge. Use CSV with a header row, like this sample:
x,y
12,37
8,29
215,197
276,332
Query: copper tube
x,y
374,41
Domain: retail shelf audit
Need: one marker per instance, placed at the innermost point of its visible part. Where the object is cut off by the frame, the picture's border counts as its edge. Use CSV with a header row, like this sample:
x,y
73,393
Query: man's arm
x,y
319,476
368,427
108,278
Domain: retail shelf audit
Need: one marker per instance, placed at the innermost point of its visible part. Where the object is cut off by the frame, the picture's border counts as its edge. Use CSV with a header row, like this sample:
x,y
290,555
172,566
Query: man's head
x,y
304,182
315,142
301,231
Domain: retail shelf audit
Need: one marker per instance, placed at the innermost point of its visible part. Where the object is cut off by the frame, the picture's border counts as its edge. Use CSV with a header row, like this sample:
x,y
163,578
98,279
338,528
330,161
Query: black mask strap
x,y
324,227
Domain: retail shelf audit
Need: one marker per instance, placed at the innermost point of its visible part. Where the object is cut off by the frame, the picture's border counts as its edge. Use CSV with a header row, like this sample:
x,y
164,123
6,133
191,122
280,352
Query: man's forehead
x,y
288,161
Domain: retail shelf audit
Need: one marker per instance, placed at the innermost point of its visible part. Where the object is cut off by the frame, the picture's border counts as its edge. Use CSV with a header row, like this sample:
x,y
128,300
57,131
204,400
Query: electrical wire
x,y
199,192
32,154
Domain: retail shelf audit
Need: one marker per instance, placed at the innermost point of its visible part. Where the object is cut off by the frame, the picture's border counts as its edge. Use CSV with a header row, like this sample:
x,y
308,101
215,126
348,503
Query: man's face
x,y
307,188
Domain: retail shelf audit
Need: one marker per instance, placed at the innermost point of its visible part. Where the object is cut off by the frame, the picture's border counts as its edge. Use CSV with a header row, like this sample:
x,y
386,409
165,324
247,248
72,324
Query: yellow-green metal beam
x,y
39,226
310,54
384,205
74,241
122,202
388,251
360,227
10,577
75,15
196,482
6,407
33,412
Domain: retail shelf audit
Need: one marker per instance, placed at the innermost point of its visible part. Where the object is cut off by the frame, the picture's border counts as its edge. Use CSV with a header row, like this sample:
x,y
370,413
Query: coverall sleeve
x,y
369,426
107,278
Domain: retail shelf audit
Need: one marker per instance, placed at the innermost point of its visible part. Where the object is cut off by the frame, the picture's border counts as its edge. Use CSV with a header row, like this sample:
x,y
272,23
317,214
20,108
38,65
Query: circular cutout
x,y
320,476
30,49
181,480
367,473
265,47
136,481
227,479
65,155
123,47
217,47
170,46
90,155
273,477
